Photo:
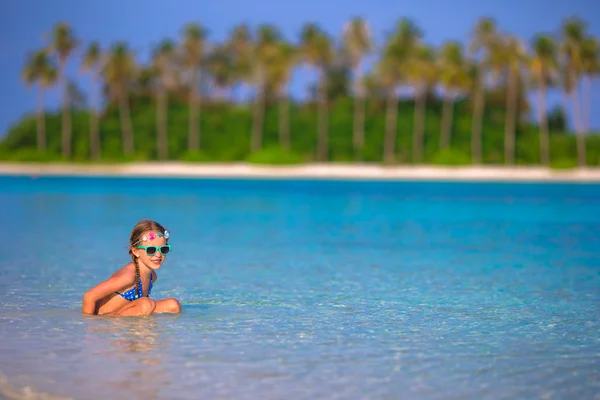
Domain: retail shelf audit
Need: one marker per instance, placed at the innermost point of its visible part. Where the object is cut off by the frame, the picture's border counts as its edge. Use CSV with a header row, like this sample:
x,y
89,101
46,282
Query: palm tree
x,y
399,53
164,65
145,81
63,44
91,61
317,51
119,72
357,43
513,54
39,69
543,68
280,74
422,73
484,41
388,77
194,49
264,54
454,79
221,66
240,45
590,64
573,34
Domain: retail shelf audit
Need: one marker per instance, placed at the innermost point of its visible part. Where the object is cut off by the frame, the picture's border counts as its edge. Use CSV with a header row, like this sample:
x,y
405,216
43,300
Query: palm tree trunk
x,y
94,132
194,123
419,125
575,101
41,121
66,114
447,116
322,145
127,129
94,135
161,122
477,127
359,116
257,121
565,108
509,129
284,121
391,126
544,135
359,126
581,153
587,100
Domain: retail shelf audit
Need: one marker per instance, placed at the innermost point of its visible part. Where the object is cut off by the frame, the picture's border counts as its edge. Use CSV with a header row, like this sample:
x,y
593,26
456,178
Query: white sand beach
x,y
307,171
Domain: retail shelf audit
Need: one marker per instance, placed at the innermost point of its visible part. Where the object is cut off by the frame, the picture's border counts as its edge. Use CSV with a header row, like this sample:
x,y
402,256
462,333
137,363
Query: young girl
x,y
127,291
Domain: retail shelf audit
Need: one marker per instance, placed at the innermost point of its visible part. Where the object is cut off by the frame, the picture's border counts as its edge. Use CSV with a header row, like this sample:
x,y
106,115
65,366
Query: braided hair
x,y
136,236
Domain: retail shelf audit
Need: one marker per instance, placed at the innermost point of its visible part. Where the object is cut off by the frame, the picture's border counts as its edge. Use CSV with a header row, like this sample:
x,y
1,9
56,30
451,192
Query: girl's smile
x,y
157,261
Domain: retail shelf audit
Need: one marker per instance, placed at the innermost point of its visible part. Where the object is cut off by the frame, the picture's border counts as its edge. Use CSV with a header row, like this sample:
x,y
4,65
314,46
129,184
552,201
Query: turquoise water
x,y
306,289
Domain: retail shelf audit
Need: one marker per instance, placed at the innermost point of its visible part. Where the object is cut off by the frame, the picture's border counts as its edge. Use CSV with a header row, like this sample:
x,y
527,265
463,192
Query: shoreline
x,y
331,171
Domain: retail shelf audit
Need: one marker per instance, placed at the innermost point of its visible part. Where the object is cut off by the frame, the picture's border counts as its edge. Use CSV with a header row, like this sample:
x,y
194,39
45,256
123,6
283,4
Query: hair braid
x,y
137,277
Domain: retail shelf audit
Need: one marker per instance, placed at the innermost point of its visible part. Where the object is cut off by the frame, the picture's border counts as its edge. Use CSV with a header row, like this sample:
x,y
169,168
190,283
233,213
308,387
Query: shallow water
x,y
306,289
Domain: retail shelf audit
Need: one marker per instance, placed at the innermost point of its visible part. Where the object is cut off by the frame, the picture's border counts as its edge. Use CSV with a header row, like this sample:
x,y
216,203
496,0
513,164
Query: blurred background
x,y
508,82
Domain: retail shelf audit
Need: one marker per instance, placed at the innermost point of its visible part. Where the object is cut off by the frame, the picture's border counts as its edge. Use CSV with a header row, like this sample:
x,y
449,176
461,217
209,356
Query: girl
x,y
127,291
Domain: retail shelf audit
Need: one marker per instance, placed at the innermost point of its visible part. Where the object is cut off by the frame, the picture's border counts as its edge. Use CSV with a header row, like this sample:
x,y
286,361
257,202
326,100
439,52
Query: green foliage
x,y
29,155
563,163
225,135
451,157
195,156
275,156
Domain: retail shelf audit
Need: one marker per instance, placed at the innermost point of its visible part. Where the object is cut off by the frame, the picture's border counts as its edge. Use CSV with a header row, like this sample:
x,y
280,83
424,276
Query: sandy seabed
x,y
348,171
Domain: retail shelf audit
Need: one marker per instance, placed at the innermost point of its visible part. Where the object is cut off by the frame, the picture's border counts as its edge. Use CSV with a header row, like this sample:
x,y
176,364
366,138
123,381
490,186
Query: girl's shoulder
x,y
126,271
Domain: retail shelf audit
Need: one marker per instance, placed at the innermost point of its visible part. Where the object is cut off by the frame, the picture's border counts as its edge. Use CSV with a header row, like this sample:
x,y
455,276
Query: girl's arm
x,y
114,283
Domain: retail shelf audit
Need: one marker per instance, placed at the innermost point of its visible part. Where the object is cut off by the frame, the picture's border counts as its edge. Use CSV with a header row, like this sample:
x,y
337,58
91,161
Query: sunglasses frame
x,y
158,248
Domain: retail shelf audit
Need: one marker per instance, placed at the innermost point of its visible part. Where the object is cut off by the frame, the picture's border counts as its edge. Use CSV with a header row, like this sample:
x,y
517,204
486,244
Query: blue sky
x,y
25,23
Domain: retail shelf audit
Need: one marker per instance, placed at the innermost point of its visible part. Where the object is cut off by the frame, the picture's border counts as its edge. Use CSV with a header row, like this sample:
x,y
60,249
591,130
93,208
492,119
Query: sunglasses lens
x,y
165,250
151,250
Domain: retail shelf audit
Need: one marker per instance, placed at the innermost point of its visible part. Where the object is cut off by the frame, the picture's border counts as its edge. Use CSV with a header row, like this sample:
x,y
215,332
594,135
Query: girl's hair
x,y
136,236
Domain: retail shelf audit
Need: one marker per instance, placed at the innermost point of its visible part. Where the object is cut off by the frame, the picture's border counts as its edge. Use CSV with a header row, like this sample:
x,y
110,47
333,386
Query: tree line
x,y
488,78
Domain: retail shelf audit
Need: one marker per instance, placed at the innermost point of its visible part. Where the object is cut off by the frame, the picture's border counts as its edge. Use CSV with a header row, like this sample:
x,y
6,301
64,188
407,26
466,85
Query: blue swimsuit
x,y
131,295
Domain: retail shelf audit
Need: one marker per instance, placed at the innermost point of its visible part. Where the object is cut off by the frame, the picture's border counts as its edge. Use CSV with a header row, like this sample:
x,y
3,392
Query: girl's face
x,y
153,251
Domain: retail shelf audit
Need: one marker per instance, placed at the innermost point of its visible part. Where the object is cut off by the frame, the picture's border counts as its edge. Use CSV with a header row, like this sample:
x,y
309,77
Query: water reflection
x,y
129,353
128,335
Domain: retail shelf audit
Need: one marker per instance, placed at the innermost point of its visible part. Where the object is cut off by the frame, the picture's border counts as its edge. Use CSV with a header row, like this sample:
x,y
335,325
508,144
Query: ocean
x,y
305,289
